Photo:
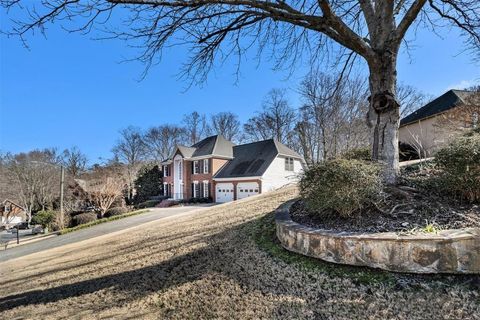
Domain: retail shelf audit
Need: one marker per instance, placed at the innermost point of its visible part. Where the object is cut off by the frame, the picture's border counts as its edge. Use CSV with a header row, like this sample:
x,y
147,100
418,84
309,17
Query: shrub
x,y
358,154
147,204
460,165
341,186
148,183
44,218
115,211
84,218
167,203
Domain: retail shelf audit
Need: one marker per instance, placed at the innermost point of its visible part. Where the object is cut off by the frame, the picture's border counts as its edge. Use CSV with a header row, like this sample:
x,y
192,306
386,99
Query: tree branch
x,y
408,19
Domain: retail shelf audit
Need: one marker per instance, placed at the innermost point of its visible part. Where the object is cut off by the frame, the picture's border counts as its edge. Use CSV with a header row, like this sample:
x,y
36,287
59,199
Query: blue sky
x,y
70,90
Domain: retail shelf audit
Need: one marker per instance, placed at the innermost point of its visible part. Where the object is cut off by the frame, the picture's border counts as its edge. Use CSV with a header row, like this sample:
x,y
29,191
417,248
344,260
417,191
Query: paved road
x,y
94,231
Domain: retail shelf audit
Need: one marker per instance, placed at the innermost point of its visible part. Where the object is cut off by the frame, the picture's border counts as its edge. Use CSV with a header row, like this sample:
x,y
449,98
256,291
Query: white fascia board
x,y
210,156
289,156
237,178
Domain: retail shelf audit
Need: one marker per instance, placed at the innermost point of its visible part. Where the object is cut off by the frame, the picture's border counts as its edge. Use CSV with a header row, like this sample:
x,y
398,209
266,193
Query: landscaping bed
x,y
420,202
417,211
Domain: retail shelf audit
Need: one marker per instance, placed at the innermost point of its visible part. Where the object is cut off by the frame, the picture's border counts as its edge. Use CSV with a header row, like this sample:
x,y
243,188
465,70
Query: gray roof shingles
x,y
215,145
445,102
253,159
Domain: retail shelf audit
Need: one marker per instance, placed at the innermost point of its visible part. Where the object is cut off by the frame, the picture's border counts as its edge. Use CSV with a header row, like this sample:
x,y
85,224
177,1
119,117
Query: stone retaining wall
x,y
448,251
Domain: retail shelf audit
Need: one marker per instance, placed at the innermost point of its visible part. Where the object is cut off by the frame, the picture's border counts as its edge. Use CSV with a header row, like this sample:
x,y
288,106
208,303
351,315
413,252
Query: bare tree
x,y
331,119
130,149
226,124
373,30
36,178
196,127
103,185
160,141
410,99
74,161
276,120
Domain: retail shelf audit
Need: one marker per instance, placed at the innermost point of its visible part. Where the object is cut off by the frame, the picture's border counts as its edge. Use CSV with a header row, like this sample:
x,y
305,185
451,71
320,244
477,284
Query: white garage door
x,y
247,189
224,192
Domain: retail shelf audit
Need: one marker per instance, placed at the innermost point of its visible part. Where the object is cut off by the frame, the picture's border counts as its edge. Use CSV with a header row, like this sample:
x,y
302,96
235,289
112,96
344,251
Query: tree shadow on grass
x,y
229,253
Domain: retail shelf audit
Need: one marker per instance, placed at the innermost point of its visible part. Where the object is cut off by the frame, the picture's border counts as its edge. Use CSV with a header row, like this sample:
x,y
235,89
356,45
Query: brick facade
x,y
188,177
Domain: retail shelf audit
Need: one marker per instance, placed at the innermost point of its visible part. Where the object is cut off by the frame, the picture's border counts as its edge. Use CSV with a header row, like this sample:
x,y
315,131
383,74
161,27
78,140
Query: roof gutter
x,y
237,178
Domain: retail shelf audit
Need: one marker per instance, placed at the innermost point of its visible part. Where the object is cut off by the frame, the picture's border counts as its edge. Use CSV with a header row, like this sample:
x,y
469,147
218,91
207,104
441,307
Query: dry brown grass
x,y
204,266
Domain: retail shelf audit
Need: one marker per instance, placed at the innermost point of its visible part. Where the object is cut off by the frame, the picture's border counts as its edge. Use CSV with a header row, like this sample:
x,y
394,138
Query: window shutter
x,y
193,189
200,194
200,166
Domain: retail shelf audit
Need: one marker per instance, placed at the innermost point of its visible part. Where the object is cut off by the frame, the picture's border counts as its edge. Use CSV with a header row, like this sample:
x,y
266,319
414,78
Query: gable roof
x,y
211,146
253,159
447,101
4,202
186,152
215,145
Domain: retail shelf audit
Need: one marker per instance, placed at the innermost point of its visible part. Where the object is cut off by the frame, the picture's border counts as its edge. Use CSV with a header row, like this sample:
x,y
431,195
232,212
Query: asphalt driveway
x,y
95,231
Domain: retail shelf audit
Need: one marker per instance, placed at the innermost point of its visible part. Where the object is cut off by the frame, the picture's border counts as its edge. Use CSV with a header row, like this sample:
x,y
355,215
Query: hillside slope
x,y
204,266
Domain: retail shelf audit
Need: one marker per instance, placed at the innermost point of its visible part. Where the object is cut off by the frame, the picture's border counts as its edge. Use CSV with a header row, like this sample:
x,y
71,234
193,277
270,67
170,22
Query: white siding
x,y
276,176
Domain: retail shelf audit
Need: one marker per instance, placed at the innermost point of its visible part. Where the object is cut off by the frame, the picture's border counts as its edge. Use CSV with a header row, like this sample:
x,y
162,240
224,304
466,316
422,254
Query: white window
x,y
205,165
165,171
205,189
165,189
289,164
196,167
196,189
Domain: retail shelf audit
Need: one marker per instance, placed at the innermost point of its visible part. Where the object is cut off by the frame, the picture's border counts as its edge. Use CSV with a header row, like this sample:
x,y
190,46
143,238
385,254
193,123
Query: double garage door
x,y
224,191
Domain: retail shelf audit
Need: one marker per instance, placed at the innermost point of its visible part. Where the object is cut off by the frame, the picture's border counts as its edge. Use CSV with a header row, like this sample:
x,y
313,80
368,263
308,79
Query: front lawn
x,y
221,263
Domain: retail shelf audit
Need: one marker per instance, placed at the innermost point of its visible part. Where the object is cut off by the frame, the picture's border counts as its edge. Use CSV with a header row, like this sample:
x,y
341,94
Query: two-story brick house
x,y
216,168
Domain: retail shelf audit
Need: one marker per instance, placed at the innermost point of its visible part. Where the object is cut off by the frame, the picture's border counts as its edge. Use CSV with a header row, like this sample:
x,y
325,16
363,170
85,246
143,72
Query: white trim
x,y
237,178
289,156
208,156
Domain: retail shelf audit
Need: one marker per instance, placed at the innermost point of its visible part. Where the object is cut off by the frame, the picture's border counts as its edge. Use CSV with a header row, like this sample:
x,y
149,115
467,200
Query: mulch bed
x,y
402,209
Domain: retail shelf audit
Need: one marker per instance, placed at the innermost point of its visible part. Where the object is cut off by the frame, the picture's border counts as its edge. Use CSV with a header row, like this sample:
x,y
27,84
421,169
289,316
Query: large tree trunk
x,y
384,114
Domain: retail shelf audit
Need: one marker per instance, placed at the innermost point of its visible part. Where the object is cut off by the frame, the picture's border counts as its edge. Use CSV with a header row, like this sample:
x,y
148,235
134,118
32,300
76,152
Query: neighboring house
x,y
217,168
429,128
12,213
